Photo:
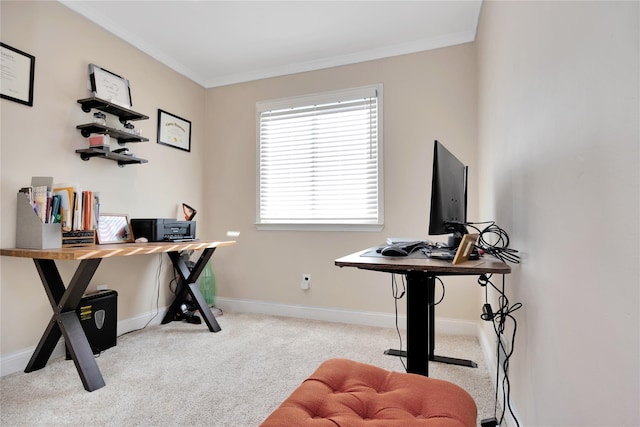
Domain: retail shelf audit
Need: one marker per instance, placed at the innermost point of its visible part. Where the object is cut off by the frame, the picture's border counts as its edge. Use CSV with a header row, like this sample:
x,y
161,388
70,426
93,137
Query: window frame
x,y
323,98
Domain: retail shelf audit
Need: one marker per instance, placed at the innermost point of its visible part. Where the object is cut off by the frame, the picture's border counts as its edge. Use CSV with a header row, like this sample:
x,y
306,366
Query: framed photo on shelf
x,y
114,228
17,69
174,131
109,86
466,247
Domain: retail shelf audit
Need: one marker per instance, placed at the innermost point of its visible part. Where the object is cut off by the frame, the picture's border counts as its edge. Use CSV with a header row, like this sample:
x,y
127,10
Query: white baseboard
x,y
16,362
329,314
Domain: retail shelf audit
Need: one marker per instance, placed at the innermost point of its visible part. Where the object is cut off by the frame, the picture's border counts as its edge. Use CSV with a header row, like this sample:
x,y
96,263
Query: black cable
x,y
417,247
499,319
157,298
396,297
441,284
500,249
173,282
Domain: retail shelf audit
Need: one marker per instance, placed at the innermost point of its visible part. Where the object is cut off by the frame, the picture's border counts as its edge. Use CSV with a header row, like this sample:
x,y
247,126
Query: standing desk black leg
x,y
65,321
420,294
187,285
419,326
431,308
432,335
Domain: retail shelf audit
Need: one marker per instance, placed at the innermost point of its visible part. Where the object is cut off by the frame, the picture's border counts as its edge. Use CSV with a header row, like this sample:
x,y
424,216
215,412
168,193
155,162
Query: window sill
x,y
320,227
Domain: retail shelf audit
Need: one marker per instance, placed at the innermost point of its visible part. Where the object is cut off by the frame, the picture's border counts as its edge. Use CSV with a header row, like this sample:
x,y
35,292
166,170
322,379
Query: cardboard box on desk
x,y
31,233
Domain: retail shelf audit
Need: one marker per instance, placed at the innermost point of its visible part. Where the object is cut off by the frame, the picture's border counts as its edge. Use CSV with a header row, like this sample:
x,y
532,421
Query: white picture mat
x,y
111,87
15,75
174,131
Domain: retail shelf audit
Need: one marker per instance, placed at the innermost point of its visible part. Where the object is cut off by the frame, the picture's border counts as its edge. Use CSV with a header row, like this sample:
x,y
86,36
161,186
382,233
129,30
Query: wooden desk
x,y
421,273
64,300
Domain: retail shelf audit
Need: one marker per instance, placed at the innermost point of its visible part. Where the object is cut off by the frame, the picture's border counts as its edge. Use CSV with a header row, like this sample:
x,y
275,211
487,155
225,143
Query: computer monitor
x,y
448,196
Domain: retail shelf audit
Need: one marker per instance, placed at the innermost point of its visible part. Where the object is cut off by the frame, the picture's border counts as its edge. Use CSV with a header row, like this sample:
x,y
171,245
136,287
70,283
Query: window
x,y
319,161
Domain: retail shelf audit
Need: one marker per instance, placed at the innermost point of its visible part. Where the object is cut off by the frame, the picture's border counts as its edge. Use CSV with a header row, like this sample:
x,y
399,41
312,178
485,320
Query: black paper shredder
x,y
98,314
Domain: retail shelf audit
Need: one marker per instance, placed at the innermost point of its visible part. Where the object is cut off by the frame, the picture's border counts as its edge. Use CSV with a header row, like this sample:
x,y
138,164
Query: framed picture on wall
x,y
174,131
17,69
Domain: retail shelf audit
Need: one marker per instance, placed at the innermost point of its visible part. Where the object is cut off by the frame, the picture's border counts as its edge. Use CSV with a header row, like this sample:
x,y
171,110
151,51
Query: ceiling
x,y
216,43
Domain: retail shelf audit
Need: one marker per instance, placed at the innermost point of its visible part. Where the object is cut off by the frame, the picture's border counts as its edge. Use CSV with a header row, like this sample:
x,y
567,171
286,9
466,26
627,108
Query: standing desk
x,y
421,273
64,301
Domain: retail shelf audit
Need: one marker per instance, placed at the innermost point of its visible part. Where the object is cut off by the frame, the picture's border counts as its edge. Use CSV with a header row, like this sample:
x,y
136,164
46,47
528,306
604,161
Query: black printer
x,y
163,229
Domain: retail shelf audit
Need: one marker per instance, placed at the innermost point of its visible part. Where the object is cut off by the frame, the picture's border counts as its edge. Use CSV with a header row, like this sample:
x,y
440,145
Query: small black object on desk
x,y
428,249
403,249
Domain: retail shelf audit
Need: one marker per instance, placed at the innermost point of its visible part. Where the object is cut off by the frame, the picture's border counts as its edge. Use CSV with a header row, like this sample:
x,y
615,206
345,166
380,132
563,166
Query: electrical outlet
x,y
306,282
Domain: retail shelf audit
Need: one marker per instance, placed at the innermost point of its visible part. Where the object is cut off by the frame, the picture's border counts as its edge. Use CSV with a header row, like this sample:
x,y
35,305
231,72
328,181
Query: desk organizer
x,y
31,233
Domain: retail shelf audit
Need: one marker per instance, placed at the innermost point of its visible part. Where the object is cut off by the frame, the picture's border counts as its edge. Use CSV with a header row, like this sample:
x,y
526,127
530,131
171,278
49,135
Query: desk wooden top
x,y
113,250
402,265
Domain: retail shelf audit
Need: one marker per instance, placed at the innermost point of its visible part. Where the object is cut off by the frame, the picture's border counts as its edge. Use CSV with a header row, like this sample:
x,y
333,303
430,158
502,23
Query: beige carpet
x,y
181,374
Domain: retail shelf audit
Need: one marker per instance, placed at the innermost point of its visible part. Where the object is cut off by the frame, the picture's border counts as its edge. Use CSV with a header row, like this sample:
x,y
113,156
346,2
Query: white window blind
x,y
319,159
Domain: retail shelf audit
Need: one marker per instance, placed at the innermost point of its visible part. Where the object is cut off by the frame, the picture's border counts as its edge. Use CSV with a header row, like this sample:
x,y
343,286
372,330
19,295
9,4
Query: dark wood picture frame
x,y
17,74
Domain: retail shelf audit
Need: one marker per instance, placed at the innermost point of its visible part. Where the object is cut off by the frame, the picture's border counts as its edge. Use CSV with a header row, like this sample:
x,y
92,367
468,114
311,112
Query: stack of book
x,y
77,211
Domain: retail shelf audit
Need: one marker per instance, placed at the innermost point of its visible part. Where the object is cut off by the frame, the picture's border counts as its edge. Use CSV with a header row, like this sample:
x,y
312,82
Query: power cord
x,y
500,249
442,285
158,271
499,318
397,295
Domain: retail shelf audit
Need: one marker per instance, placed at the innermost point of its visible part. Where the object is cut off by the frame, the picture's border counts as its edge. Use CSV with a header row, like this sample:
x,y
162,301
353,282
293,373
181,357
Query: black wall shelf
x,y
122,136
124,115
122,159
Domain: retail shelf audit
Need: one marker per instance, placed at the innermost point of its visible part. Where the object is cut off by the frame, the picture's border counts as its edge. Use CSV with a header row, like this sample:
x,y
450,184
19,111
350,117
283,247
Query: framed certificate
x,y
174,131
109,86
16,75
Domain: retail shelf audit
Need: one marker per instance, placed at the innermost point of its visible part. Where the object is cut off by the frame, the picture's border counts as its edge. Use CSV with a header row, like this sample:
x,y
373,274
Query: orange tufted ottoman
x,y
345,393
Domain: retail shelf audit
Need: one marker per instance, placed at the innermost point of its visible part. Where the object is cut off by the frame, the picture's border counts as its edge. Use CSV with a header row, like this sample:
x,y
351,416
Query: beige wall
x,y
559,147
427,96
41,141
557,131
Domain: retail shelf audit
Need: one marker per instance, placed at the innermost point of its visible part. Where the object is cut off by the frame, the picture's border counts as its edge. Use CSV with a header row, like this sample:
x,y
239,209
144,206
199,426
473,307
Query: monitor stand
x,y
458,232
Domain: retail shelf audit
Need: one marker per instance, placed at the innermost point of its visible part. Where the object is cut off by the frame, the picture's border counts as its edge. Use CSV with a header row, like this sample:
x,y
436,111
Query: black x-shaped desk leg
x,y
187,286
65,321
